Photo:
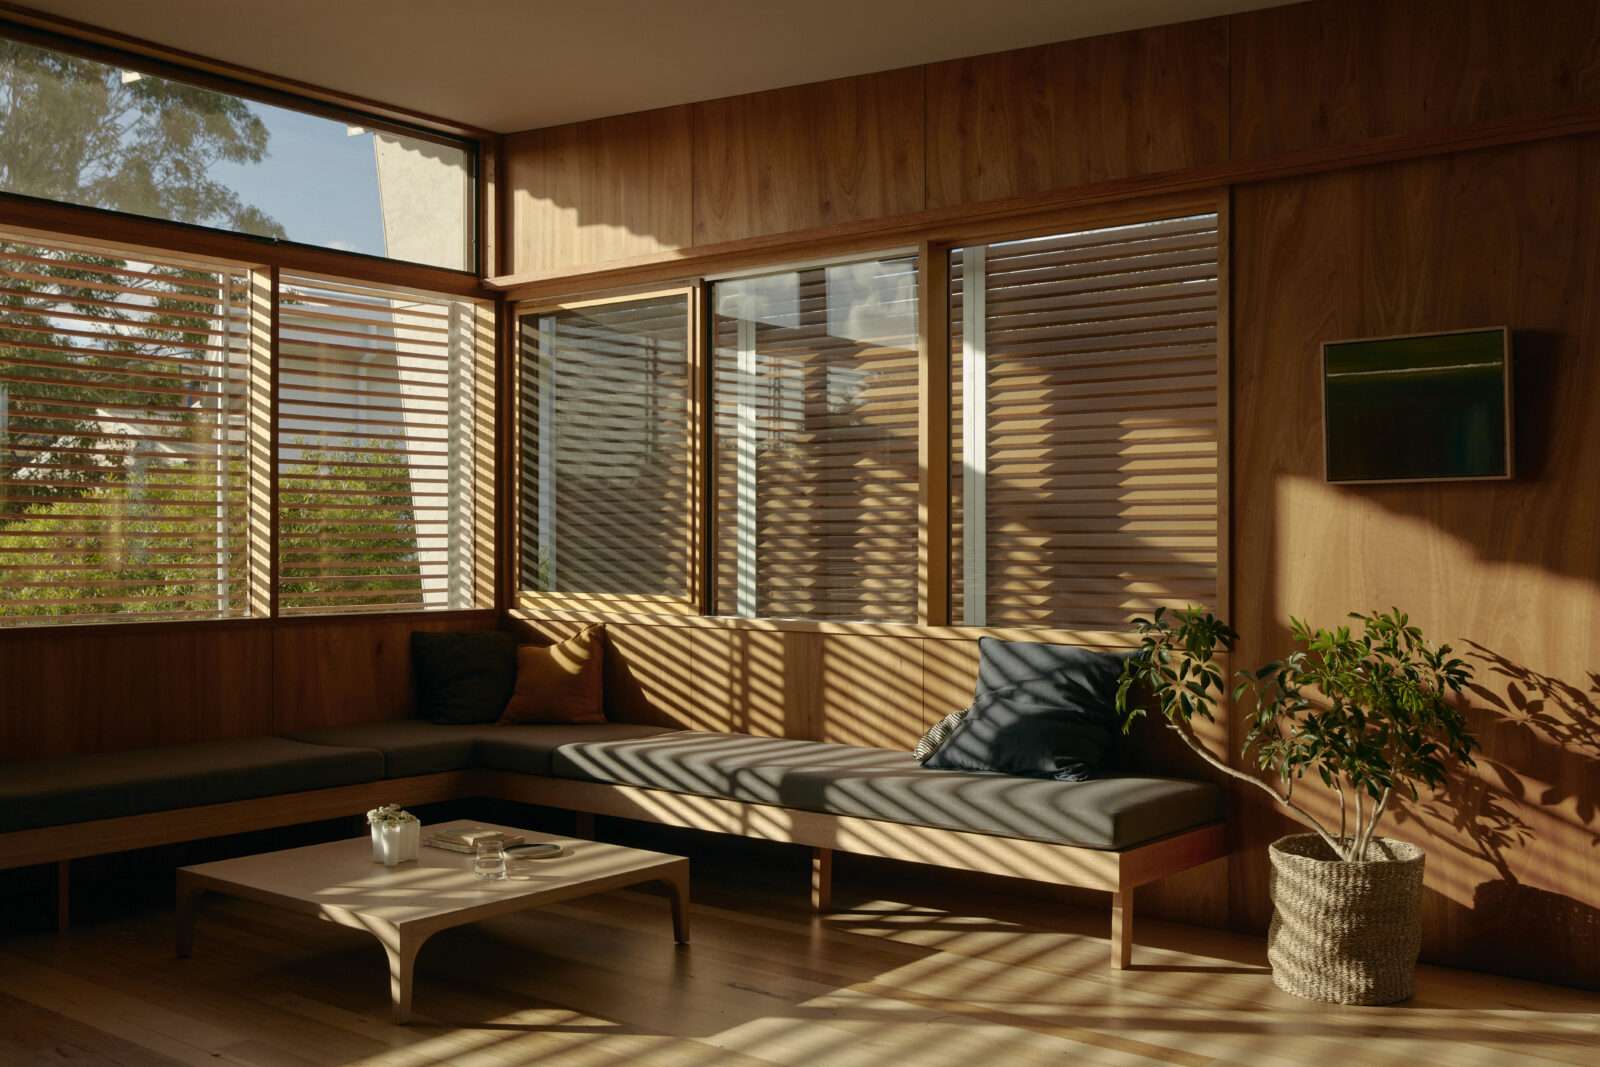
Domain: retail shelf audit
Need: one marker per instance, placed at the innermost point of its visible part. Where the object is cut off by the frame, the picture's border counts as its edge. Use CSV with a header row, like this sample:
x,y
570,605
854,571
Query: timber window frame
x,y
940,352
643,351
111,334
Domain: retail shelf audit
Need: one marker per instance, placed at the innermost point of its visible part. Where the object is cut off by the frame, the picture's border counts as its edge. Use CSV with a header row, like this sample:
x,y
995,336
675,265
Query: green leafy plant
x,y
1367,711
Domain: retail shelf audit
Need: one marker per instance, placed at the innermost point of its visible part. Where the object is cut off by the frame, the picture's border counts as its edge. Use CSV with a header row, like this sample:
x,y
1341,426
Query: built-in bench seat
x,y
1109,833
1105,813
412,747
81,789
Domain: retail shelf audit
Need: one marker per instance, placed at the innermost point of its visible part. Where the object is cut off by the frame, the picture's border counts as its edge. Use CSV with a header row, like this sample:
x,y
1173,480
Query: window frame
x,y
1215,205
587,605
932,245
193,238
262,466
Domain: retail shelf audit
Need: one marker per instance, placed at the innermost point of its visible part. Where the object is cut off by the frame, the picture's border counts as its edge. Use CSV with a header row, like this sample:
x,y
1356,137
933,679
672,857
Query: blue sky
x,y
317,181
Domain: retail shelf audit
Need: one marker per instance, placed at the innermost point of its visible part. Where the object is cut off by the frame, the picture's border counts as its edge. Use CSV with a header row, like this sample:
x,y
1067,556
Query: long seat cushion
x,y
413,746
102,786
1103,813
408,746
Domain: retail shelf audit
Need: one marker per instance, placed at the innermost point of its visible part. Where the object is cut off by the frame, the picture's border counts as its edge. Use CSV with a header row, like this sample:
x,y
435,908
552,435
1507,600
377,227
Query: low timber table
x,y
405,905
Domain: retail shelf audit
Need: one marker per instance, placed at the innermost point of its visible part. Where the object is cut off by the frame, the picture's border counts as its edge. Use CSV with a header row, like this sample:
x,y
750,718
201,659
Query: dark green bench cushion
x,y
408,746
412,746
531,748
104,786
1103,813
686,761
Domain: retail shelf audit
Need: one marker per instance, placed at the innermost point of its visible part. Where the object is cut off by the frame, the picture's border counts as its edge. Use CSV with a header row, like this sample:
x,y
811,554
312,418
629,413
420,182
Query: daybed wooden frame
x,y
1118,873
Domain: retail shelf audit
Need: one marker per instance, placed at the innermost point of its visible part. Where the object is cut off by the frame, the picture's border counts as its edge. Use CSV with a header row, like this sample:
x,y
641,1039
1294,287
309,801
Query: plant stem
x,y
1371,828
1282,798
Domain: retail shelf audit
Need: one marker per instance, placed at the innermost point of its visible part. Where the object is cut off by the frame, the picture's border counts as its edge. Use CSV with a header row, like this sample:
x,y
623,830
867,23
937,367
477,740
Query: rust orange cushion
x,y
563,682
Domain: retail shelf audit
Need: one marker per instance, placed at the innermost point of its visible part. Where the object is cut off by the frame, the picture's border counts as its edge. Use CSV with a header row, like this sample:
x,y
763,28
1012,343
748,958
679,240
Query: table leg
x,y
678,882
188,894
402,953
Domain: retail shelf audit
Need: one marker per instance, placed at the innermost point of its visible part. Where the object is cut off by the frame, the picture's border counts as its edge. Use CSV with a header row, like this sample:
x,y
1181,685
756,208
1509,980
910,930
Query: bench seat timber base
x,y
1111,834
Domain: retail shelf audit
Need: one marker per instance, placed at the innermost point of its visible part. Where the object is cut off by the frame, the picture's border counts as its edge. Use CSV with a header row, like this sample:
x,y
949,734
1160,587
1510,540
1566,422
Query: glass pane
x,y
1084,457
606,449
124,410
815,397
84,132
377,448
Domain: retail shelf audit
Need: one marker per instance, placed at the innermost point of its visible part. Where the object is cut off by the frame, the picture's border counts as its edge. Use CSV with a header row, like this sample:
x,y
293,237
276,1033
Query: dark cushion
x,y
685,761
463,677
531,748
408,746
1041,711
83,788
1107,813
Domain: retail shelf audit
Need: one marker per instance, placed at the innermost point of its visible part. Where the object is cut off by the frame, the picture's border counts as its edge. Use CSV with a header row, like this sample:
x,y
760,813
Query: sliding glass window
x,y
1084,419
607,450
138,399
89,132
125,407
815,442
381,448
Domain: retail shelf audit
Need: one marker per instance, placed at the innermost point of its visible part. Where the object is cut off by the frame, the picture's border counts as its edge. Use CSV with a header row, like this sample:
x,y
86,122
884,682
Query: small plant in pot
x,y
1367,711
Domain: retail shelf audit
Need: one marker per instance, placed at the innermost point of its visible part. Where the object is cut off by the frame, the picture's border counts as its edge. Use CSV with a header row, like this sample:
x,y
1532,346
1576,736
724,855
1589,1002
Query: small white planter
x,y
395,843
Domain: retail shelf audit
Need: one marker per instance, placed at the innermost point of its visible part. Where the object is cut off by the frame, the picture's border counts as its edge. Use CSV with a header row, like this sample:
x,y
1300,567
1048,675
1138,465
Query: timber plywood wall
x,y
110,688
1509,572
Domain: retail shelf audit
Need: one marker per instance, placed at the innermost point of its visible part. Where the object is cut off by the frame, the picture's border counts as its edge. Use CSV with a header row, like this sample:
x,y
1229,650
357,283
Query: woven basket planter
x,y
1348,933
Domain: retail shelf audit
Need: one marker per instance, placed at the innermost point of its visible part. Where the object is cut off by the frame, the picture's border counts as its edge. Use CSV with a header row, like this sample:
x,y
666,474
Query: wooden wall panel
x,y
808,156
108,689
1341,71
612,188
1507,572
337,671
1038,119
870,691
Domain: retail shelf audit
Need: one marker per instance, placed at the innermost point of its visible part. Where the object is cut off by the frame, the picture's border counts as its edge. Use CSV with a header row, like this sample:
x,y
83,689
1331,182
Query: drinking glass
x,y
490,862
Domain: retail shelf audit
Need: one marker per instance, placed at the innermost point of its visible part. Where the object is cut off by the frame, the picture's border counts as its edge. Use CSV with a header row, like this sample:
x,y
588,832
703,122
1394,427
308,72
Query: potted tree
x,y
1367,711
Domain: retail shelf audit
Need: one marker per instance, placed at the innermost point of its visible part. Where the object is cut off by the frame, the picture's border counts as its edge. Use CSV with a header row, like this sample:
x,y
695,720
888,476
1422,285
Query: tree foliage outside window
x,y
80,131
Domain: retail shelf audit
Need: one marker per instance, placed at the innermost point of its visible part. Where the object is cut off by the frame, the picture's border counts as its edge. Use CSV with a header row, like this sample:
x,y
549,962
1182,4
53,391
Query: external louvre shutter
x,y
606,459
1098,480
124,409
815,406
377,448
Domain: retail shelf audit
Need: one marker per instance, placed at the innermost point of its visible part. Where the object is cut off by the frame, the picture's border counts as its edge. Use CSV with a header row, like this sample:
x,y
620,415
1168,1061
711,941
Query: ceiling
x,y
511,65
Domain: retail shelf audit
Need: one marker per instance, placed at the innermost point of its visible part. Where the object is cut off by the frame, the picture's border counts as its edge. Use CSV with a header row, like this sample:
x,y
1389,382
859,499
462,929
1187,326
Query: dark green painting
x,y
1403,408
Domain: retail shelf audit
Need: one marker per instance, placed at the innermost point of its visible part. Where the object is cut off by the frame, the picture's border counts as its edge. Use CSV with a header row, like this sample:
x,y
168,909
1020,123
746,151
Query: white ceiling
x,y
518,64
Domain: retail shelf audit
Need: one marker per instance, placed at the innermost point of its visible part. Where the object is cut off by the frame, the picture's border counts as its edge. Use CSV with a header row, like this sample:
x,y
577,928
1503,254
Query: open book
x,y
466,838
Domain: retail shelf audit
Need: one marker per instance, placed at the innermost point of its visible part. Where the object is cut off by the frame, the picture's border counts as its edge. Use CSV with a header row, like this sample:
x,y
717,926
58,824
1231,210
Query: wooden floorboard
x,y
895,976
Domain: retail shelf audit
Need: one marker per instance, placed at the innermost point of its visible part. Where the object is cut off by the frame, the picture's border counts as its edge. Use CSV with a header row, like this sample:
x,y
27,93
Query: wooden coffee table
x,y
404,906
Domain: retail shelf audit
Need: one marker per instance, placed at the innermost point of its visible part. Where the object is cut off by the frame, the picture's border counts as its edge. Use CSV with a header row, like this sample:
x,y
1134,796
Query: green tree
x,y
88,339
347,527
72,129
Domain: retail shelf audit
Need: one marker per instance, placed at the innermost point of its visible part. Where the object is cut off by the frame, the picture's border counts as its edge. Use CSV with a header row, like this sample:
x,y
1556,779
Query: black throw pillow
x,y
1041,711
463,677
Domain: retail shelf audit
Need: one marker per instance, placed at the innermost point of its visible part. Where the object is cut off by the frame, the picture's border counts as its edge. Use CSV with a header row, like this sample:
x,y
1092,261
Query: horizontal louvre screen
x,y
815,406
606,449
1084,424
124,397
376,448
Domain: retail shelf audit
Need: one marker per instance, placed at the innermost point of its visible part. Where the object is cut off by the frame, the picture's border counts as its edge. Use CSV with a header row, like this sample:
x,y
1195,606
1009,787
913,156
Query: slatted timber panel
x,y
607,447
815,406
1098,468
124,406
376,448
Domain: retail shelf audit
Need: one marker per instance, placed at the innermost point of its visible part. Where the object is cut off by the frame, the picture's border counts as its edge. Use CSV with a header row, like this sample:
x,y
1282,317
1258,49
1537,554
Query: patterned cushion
x,y
929,743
